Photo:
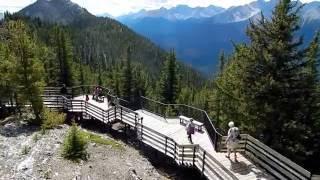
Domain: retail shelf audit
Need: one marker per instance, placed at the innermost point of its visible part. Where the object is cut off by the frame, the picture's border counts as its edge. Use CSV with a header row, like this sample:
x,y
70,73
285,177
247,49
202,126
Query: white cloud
x,y
119,7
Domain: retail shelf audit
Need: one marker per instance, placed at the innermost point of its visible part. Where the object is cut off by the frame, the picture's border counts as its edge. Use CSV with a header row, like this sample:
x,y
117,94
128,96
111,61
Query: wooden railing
x,y
187,155
275,163
182,154
175,110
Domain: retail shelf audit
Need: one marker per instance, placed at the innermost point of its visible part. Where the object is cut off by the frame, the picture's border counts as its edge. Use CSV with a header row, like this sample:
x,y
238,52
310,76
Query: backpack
x,y
236,133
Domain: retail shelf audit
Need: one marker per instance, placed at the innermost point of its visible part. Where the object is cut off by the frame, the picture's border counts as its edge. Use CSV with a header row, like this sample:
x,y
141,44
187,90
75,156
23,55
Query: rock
x,y
132,175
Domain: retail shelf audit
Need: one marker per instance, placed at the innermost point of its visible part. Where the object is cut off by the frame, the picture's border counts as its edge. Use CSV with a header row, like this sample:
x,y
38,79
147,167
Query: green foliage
x,y
94,138
127,79
25,70
52,119
35,137
64,56
25,150
270,86
168,83
74,145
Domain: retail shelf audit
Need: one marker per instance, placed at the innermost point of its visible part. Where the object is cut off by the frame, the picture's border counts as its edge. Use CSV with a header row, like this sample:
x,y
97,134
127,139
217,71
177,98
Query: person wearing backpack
x,y
232,140
190,130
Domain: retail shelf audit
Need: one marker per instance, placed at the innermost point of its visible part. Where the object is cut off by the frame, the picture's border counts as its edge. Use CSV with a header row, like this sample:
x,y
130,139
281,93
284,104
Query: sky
x,y
121,7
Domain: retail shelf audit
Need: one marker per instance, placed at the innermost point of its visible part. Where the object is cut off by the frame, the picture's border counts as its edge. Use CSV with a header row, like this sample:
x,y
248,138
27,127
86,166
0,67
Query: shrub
x,y
74,146
25,150
52,119
35,137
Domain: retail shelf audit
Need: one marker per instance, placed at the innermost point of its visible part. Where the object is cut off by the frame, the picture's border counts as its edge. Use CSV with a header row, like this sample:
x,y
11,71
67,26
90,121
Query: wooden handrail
x,y
278,165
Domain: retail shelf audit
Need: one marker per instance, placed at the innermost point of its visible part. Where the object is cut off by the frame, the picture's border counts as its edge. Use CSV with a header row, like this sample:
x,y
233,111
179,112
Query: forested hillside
x,y
97,42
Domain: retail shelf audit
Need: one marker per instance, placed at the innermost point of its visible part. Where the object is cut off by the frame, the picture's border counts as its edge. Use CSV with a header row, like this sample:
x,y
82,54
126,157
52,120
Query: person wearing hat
x,y
190,130
232,140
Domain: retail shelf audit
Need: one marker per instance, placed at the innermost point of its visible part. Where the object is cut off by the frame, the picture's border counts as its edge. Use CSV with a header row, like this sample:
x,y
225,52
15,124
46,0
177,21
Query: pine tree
x,y
168,83
127,78
74,146
51,68
100,83
7,85
218,97
310,143
28,70
63,51
270,85
81,75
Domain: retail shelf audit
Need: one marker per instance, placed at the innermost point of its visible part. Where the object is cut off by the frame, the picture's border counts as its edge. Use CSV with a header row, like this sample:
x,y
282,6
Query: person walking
x,y
190,130
64,89
232,140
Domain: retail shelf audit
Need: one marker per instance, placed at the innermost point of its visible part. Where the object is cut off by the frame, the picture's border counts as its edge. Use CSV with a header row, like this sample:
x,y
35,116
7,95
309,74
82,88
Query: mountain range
x,y
180,12
199,37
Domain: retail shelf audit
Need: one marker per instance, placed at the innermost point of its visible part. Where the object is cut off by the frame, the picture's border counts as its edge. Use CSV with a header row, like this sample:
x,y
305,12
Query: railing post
x,y
115,112
81,106
245,144
216,147
175,150
121,113
165,148
71,105
182,153
194,155
203,161
108,115
86,107
57,101
135,122
102,115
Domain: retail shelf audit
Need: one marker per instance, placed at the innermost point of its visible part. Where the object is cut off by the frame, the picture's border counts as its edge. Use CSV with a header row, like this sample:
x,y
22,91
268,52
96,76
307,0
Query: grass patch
x,y
94,138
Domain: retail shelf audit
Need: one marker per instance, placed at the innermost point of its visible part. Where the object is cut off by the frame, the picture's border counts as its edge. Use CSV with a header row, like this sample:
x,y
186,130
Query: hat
x,y
231,124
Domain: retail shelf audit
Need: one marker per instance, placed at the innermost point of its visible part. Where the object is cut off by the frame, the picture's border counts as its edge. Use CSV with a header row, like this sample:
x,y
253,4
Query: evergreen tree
x,y
271,85
310,144
63,51
81,75
127,78
7,85
74,146
168,83
100,77
218,97
47,56
28,70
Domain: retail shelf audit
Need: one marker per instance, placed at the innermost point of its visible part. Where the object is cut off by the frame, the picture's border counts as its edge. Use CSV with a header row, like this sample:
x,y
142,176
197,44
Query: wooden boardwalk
x,y
168,136
156,126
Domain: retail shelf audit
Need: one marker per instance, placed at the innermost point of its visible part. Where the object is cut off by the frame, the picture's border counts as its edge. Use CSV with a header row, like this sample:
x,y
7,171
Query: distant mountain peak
x,y
179,12
60,11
